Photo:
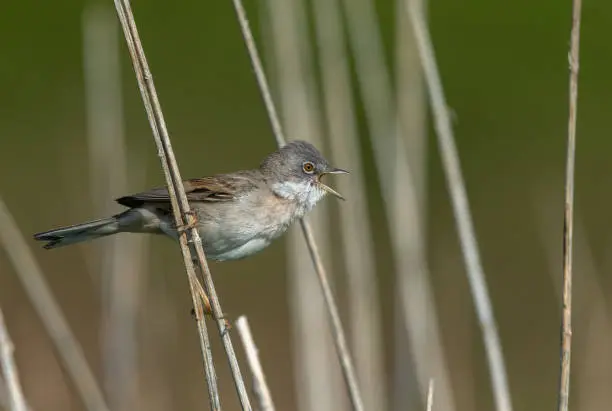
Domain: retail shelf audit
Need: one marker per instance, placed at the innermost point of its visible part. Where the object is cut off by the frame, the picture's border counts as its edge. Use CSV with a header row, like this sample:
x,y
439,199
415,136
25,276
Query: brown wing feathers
x,y
216,188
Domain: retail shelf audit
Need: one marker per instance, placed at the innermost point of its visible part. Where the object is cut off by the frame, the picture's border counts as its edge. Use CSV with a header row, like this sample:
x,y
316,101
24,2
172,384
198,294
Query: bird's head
x,y
295,172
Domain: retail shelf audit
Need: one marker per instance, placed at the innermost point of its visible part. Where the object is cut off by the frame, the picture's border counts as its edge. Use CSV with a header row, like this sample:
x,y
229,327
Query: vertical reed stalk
x,y
38,291
8,367
358,249
123,257
430,394
262,391
461,210
399,164
183,217
568,218
334,316
415,293
313,352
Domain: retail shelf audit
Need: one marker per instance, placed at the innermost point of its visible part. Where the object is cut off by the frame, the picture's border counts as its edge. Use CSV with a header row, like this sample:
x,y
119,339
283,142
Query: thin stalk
x,y
51,316
332,309
568,220
260,385
461,210
592,313
430,394
122,258
9,370
416,307
313,353
399,158
183,217
358,248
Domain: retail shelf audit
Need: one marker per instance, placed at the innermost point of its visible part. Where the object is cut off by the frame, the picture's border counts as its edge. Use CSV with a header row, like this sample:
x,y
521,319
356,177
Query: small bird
x,y
237,214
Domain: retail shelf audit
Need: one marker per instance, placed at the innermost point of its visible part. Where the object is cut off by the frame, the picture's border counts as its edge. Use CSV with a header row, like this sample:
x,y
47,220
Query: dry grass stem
x,y
339,337
593,373
313,353
182,216
358,250
122,259
415,294
400,161
463,219
262,391
430,394
16,399
33,281
568,220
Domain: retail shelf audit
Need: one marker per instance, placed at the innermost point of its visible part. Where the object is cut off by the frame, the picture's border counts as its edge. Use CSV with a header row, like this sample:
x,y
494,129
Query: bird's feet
x,y
192,224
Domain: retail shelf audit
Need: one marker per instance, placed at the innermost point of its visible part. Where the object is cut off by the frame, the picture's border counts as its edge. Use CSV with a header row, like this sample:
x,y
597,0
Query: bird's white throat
x,y
307,194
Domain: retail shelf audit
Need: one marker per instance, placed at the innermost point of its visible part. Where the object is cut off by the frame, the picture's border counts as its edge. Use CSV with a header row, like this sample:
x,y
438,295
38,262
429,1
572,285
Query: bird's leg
x,y
204,297
192,224
208,308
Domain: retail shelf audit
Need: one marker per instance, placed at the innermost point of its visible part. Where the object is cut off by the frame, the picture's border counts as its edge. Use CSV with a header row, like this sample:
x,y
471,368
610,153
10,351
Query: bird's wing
x,y
220,188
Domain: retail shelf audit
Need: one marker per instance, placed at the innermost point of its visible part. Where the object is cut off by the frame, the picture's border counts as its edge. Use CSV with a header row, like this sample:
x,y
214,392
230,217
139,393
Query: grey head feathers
x,y
294,172
287,163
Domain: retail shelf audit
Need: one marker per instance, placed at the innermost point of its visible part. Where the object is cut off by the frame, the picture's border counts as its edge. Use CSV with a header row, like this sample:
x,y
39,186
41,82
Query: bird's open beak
x,y
328,188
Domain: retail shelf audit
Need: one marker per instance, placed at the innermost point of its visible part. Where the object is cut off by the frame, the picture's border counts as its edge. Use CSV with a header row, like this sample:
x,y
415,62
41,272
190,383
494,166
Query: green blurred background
x,y
505,70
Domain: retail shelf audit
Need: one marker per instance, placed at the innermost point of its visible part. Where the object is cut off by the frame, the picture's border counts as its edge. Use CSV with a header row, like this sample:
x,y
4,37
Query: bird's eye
x,y
308,167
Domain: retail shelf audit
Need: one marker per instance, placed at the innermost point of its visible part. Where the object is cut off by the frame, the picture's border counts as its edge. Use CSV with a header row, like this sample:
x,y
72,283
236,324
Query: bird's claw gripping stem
x,y
192,224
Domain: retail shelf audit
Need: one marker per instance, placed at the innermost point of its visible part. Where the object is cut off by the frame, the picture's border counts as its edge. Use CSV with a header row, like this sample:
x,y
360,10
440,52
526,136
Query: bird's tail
x,y
79,232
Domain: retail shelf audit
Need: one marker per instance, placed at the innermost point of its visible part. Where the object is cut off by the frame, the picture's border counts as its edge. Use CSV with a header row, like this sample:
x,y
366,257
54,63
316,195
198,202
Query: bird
x,y
237,214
